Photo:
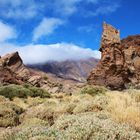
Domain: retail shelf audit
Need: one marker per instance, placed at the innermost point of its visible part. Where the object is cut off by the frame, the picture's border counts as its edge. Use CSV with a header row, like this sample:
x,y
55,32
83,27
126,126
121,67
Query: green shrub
x,y
12,91
38,92
93,90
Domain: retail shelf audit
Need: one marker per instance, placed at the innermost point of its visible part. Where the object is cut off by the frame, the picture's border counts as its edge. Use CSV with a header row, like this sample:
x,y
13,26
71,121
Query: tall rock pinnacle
x,y
120,60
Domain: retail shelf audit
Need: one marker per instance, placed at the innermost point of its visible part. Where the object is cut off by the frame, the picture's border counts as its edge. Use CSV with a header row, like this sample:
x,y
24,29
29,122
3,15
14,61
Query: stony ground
x,y
93,113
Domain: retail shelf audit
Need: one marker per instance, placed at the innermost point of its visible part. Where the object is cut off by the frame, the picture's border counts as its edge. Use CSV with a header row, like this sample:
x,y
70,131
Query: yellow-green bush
x,y
12,106
9,114
8,117
93,90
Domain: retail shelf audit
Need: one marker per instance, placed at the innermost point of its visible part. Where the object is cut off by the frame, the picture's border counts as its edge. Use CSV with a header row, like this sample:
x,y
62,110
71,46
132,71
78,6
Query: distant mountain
x,y
77,70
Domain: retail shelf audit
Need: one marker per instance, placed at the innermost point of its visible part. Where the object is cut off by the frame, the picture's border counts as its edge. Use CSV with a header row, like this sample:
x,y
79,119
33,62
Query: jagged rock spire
x,y
120,60
110,36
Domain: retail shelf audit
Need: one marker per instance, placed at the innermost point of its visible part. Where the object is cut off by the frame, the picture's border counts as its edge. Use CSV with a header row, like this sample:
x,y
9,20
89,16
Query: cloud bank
x,y
41,53
33,54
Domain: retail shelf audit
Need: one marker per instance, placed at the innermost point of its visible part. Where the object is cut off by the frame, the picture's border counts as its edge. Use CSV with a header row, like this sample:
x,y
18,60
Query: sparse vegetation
x,y
110,115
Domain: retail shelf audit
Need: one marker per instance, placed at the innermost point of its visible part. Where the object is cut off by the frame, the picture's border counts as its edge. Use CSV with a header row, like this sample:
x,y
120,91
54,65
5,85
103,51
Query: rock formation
x,y
120,60
13,71
14,63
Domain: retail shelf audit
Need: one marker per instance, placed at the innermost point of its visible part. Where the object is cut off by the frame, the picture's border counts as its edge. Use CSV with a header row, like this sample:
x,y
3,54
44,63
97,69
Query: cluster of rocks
x,y
119,66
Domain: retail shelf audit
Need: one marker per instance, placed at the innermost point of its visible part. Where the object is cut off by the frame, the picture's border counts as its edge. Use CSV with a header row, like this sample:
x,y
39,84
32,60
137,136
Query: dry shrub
x,y
18,110
26,133
89,126
124,108
9,114
52,108
35,101
47,111
8,117
3,99
20,102
41,138
84,126
31,122
91,104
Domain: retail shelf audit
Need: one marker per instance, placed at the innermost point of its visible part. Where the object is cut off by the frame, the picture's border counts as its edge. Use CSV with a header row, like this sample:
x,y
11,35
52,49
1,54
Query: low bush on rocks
x,y
93,90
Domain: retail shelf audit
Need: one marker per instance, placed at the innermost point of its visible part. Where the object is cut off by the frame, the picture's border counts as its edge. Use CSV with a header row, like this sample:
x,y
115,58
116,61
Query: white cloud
x,y
87,28
18,9
32,54
104,10
46,27
6,32
65,7
27,9
68,7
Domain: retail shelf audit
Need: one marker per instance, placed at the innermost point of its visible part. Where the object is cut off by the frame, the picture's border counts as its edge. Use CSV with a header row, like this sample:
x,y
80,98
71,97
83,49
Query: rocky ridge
x,y
13,71
119,66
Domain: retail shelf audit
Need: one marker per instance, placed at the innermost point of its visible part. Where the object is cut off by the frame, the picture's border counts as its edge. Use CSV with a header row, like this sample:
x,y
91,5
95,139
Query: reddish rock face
x,y
8,67
13,71
120,60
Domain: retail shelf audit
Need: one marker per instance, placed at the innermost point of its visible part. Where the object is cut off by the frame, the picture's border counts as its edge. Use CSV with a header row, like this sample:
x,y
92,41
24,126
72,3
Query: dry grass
x,y
108,116
124,108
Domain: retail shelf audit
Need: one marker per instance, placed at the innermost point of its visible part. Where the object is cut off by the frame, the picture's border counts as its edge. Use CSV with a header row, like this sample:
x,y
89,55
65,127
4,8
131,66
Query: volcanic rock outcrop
x,y
119,66
13,71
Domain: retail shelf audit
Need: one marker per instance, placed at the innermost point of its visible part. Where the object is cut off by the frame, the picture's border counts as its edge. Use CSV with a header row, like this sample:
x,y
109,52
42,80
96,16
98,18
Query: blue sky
x,y
44,30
